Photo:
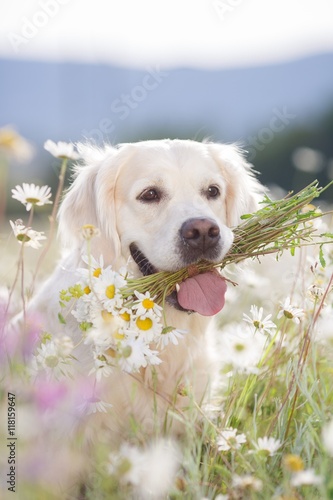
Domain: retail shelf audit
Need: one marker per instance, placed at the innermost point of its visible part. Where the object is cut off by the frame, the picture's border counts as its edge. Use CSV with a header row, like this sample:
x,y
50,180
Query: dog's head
x,y
167,203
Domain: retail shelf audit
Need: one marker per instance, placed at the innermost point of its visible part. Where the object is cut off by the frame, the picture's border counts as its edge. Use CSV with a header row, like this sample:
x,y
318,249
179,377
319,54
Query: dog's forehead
x,y
157,158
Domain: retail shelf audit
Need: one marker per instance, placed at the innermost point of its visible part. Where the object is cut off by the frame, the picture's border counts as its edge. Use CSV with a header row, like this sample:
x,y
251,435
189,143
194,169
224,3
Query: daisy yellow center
x,y
239,347
86,290
51,361
8,139
125,316
294,463
23,237
97,272
232,441
144,324
110,291
127,351
107,316
88,231
288,314
111,352
118,336
33,201
148,303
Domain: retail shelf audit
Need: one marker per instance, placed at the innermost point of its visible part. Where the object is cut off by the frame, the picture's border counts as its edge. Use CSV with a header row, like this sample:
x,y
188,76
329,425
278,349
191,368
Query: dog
x,y
159,205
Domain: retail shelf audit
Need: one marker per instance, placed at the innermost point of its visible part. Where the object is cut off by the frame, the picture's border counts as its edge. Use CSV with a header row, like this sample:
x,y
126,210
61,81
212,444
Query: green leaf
x,y
167,329
76,291
46,337
321,257
85,326
64,296
61,319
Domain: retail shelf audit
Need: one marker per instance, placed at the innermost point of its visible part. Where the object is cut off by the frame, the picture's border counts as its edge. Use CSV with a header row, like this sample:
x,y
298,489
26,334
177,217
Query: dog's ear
x,y
82,205
244,191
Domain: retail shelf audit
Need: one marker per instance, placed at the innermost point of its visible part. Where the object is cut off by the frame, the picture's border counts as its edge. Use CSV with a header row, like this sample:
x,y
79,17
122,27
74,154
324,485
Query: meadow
x,y
265,433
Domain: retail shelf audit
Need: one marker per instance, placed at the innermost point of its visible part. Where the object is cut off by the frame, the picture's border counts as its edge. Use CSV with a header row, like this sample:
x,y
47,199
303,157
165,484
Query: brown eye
x,y
150,195
213,192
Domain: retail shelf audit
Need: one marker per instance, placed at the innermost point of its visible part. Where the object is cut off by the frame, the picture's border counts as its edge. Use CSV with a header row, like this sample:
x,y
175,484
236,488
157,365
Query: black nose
x,y
200,234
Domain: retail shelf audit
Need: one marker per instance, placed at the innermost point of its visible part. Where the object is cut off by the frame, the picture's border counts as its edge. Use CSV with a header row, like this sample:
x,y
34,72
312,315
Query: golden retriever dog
x,y
160,205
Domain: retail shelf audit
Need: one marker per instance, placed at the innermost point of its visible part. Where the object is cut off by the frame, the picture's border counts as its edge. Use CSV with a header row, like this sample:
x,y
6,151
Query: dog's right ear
x,y
79,207
244,191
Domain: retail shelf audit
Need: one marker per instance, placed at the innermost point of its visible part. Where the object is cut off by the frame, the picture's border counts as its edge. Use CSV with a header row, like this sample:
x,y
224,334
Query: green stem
x,y
52,219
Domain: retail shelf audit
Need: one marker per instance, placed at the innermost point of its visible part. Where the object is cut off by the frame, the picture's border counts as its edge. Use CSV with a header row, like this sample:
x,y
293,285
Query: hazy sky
x,y
169,33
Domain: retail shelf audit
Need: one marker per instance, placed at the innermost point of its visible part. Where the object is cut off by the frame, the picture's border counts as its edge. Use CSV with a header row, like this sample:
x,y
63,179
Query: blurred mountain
x,y
67,101
272,111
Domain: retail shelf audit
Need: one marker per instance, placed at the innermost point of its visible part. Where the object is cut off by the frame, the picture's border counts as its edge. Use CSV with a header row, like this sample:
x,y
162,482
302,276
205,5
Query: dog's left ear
x,y
244,191
90,200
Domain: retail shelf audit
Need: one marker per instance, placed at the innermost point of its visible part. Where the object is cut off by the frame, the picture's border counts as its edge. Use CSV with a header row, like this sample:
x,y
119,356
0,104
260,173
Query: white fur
x,y
105,193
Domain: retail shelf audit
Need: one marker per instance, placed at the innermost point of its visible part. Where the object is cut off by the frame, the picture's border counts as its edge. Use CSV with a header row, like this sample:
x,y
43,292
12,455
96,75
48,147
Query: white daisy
x,y
93,265
246,482
27,236
125,315
241,348
98,338
101,367
132,458
62,150
170,335
306,477
136,354
132,355
29,195
48,354
327,435
93,405
13,144
152,356
268,445
316,293
228,439
65,345
146,304
50,359
147,327
290,312
89,231
82,310
258,322
107,289
151,470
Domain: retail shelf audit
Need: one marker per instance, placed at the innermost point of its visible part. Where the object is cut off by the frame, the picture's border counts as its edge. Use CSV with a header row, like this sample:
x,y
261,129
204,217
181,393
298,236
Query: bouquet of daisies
x,y
120,331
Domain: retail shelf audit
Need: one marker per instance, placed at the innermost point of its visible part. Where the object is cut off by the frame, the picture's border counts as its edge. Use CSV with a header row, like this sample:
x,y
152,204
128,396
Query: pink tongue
x,y
203,293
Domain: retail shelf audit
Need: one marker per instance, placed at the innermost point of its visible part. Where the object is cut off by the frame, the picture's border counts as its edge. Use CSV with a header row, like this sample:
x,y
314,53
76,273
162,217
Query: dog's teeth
x,y
177,287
